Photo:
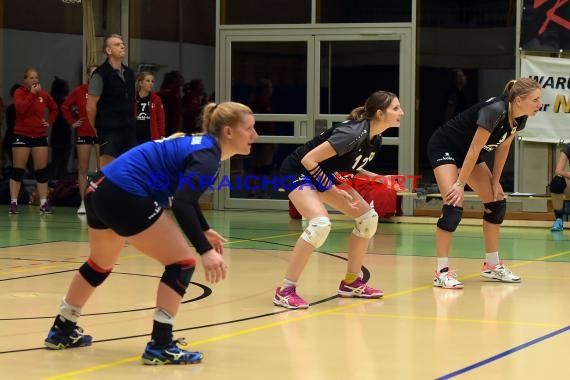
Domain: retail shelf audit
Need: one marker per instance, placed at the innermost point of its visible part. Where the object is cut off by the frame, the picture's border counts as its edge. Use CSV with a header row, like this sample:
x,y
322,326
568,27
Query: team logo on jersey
x,y
492,147
196,140
446,157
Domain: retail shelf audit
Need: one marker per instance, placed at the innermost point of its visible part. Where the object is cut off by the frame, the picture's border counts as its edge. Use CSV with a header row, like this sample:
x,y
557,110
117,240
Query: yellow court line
x,y
469,320
279,323
239,333
526,262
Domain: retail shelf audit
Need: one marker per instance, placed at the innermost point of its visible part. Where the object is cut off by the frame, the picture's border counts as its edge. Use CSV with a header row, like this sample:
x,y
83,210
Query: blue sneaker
x,y
171,354
558,225
58,340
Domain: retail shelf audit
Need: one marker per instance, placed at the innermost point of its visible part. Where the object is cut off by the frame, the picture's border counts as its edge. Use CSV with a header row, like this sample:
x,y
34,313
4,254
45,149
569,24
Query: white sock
x,y
14,200
43,201
442,262
288,284
492,258
69,312
163,316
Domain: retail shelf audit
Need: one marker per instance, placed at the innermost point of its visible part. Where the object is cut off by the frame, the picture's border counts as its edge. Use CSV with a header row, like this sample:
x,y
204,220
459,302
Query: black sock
x,y
64,325
161,334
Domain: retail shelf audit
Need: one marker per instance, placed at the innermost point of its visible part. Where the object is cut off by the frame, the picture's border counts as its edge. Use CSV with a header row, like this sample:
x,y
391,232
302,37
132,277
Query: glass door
x,y
298,85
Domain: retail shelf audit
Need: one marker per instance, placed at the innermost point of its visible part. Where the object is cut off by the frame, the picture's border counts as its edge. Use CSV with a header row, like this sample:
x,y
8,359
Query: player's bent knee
x,y
317,231
18,174
177,276
42,175
94,274
450,218
366,224
495,211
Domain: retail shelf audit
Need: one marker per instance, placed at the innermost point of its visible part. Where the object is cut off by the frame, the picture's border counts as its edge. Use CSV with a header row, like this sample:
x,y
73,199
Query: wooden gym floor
x,y
488,330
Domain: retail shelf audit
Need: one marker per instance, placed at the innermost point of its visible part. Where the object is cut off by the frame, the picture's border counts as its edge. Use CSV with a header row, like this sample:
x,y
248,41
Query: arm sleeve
x,y
66,108
202,163
160,117
95,85
188,215
23,101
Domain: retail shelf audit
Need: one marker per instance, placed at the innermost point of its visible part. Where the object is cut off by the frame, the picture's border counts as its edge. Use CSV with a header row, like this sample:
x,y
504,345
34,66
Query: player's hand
x,y
214,266
498,193
36,87
78,123
455,196
216,240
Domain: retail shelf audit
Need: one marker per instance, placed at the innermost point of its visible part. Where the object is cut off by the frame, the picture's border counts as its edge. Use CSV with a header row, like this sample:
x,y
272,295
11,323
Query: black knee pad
x,y
177,276
42,175
495,211
93,274
450,217
17,174
558,185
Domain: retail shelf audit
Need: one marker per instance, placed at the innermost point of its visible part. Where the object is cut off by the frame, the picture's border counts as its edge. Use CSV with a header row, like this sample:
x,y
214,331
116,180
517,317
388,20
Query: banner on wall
x,y
545,25
552,123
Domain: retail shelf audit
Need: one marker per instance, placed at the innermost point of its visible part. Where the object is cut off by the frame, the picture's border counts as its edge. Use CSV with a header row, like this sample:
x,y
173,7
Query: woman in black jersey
x,y
457,151
559,189
125,202
315,170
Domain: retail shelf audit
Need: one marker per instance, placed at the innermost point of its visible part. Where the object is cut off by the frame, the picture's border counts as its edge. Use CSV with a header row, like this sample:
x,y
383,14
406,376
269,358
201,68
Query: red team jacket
x,y
78,98
157,128
31,111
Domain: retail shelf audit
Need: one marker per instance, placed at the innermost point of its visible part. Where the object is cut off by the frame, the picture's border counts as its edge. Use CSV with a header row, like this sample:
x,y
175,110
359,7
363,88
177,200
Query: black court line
x,y
503,354
365,277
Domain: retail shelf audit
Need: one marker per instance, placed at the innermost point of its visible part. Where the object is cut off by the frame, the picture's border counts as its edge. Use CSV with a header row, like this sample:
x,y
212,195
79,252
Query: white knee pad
x,y
366,224
317,231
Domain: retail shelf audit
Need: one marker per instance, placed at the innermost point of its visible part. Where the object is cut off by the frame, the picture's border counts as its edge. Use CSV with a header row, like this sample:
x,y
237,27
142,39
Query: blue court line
x,y
503,354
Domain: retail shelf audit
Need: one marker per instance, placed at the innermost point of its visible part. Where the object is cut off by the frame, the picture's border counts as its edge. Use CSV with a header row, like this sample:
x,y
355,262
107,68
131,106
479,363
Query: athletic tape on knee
x,y
558,185
450,218
177,276
18,174
317,231
366,224
94,274
42,175
495,211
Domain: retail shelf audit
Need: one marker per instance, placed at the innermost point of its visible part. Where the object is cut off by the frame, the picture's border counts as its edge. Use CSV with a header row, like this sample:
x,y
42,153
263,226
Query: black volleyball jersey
x,y
492,114
351,141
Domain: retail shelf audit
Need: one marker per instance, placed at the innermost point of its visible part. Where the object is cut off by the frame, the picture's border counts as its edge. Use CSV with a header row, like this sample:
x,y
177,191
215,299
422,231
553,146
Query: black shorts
x,y
440,153
114,142
86,140
21,141
294,175
109,206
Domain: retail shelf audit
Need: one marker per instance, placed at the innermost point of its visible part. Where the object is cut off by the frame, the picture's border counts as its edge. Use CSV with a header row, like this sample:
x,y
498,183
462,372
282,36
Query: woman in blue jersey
x,y
457,151
124,202
316,169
